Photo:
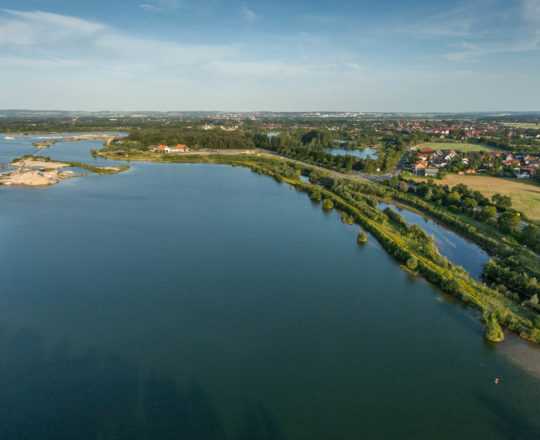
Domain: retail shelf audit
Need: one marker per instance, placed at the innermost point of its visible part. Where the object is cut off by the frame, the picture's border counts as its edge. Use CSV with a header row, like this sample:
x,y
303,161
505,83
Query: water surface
x,y
362,154
458,250
205,301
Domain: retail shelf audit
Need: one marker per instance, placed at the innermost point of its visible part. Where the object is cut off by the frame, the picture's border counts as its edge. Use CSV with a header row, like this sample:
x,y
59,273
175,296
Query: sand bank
x,y
35,172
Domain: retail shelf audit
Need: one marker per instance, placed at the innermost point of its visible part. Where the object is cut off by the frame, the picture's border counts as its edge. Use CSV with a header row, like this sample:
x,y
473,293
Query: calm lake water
x,y
362,154
457,249
207,302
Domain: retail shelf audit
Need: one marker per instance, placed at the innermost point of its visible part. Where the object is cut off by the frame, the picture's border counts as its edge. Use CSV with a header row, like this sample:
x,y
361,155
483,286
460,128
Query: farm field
x,y
463,146
523,125
525,193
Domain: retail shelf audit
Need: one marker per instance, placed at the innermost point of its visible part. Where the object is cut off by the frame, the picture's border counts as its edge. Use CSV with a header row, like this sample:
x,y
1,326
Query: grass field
x,y
522,125
525,193
463,146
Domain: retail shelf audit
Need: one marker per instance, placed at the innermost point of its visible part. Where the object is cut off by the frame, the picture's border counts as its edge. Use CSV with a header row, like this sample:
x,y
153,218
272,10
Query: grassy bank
x,y
525,193
463,146
93,168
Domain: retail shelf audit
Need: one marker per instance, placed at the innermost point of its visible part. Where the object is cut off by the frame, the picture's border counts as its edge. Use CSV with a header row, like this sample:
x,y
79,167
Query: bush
x,y
493,331
412,263
362,237
327,205
316,196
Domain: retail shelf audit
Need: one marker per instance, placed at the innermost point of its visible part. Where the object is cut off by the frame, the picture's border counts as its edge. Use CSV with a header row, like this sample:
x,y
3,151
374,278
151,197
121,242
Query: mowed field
x,y
463,146
523,125
525,193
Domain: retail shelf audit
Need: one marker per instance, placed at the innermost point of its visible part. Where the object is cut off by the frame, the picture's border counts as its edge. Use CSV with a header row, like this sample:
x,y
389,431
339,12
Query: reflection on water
x,y
458,250
58,394
362,154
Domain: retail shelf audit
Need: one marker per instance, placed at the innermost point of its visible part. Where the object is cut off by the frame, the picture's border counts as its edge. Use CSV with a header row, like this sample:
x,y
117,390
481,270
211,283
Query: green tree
x,y
501,202
530,235
316,196
488,213
493,331
508,222
412,263
454,198
327,205
403,187
470,203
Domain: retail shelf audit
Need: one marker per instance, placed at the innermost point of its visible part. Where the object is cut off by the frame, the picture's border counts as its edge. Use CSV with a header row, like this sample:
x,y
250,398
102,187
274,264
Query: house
x,y
427,150
450,155
439,163
512,162
180,148
431,172
523,156
421,165
525,172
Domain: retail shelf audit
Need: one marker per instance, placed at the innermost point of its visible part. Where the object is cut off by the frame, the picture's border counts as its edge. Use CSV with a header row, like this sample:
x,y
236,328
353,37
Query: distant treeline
x,y
305,144
311,146
193,138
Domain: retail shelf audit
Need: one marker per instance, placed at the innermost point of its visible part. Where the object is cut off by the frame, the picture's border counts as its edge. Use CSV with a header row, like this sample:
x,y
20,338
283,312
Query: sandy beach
x,y
35,172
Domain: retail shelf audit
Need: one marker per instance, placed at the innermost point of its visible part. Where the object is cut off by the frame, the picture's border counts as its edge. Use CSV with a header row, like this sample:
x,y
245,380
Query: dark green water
x,y
203,301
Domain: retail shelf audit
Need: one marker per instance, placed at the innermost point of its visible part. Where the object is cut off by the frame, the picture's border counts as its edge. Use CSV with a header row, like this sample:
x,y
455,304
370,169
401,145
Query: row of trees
x,y
312,146
195,139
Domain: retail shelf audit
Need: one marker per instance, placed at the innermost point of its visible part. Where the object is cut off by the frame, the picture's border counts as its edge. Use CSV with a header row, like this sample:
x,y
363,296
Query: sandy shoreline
x,y
35,172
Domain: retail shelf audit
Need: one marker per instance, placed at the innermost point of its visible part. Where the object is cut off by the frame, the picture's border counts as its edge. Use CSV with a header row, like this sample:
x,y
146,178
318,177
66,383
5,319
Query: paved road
x,y
352,175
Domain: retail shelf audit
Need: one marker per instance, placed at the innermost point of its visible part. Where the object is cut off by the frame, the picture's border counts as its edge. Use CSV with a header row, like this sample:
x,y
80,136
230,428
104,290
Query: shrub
x,y
327,205
316,196
493,331
412,263
362,237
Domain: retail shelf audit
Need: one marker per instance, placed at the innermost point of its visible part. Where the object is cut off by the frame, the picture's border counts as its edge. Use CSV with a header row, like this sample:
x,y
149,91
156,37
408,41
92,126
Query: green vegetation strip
x,y
93,168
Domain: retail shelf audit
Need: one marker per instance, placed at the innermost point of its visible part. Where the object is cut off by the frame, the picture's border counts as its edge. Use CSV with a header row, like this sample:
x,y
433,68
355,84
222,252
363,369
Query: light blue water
x,y
362,154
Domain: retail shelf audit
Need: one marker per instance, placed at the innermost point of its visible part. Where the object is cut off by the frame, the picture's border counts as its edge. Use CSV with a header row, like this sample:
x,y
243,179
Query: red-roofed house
x,y
421,165
180,148
527,172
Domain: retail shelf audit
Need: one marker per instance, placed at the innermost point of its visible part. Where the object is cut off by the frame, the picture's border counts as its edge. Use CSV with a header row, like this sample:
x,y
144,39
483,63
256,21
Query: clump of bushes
x,y
493,331
327,205
315,196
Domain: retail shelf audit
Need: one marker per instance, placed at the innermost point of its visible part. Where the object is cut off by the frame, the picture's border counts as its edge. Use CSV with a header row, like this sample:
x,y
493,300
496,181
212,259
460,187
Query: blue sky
x,y
362,55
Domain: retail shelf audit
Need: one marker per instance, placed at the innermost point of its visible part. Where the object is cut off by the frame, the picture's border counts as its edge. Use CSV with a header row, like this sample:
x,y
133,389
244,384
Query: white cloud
x,y
456,22
150,8
248,14
58,41
39,63
51,60
471,51
38,28
531,13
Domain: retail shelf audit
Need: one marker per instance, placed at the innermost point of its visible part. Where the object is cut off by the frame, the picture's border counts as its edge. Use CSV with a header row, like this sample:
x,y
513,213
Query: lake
x,y
458,250
204,301
362,154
